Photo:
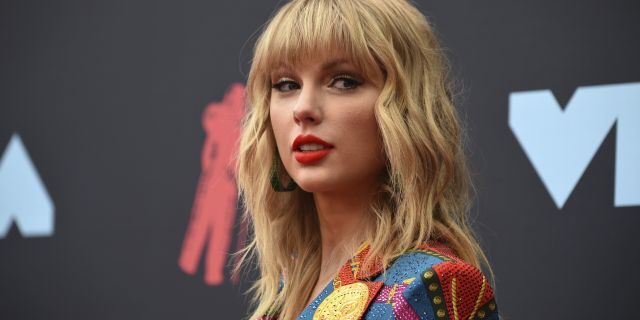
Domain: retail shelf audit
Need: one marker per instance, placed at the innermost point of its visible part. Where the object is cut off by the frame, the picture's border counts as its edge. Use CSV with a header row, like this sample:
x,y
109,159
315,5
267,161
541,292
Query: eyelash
x,y
355,82
343,77
279,83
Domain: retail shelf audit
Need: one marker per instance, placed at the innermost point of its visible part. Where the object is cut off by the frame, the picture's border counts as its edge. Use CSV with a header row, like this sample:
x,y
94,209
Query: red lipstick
x,y
310,156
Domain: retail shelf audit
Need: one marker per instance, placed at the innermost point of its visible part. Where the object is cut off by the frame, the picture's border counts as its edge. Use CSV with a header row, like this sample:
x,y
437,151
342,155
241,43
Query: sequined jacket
x,y
429,283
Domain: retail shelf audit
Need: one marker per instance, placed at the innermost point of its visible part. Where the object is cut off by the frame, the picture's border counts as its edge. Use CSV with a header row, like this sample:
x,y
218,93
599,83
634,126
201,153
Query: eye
x,y
345,82
285,85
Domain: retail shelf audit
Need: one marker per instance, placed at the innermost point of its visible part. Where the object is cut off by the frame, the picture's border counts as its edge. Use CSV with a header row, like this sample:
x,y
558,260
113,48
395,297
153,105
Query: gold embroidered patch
x,y
346,302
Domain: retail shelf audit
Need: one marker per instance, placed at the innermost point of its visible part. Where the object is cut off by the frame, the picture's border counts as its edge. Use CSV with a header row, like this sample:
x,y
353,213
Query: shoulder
x,y
435,284
463,288
414,263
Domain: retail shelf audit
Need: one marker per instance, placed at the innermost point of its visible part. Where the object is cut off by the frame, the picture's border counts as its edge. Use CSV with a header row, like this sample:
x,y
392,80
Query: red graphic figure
x,y
214,207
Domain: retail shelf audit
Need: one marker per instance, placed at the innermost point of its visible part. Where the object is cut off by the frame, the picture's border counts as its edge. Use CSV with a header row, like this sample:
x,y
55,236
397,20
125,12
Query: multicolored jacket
x,y
429,283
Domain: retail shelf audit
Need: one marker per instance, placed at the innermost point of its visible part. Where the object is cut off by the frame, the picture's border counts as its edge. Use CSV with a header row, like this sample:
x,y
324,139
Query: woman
x,y
352,171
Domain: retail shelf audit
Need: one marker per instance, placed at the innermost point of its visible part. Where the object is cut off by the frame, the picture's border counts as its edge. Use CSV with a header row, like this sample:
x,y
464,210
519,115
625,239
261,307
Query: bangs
x,y
308,30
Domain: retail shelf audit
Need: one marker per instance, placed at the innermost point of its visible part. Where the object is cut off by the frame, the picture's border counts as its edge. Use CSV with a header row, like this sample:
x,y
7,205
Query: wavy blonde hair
x,y
425,193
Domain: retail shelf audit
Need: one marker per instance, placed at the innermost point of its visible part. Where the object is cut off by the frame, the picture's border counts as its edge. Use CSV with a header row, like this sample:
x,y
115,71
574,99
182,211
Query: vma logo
x,y
210,229
561,143
23,197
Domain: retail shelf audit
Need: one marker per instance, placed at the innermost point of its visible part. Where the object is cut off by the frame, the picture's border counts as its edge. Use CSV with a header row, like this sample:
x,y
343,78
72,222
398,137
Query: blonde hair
x,y
425,193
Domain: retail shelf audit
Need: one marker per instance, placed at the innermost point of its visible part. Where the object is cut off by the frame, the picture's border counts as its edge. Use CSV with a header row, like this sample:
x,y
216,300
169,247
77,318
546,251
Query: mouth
x,y
308,149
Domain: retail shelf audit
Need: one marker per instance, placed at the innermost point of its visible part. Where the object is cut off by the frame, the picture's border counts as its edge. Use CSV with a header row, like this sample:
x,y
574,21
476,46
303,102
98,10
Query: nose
x,y
307,110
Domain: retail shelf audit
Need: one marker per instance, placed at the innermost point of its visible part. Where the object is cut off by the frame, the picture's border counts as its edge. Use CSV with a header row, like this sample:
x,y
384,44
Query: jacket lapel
x,y
353,291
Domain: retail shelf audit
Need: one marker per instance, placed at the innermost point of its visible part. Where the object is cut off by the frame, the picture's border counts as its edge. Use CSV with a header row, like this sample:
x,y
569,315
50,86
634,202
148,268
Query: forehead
x,y
312,31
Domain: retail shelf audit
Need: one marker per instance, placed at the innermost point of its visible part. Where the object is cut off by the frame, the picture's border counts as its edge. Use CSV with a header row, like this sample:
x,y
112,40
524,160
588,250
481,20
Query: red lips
x,y
307,157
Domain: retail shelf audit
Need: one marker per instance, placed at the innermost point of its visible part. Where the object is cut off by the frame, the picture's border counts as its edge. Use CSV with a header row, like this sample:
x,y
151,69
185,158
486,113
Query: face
x,y
322,115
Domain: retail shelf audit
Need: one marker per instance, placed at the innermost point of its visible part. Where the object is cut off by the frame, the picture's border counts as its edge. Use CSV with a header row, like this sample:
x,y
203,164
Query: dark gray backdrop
x,y
107,97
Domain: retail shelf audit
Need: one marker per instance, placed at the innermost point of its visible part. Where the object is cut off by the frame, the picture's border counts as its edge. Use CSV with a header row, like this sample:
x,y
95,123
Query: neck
x,y
344,219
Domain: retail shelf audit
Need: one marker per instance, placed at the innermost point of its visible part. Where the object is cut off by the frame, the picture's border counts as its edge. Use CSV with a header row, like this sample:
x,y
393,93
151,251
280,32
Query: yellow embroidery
x,y
346,302
454,298
391,293
337,283
355,268
432,253
475,308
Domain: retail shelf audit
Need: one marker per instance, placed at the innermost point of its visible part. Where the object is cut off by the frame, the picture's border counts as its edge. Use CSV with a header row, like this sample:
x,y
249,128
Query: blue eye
x,y
285,85
345,82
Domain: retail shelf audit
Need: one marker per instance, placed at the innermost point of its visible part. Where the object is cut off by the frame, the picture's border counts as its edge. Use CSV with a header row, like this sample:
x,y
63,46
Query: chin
x,y
315,184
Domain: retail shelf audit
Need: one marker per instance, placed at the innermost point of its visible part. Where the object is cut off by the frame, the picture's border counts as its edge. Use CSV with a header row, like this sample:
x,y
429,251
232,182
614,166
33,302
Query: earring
x,y
275,179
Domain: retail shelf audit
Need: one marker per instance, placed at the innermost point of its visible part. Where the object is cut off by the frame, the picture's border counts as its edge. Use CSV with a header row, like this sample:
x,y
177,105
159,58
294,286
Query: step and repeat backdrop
x,y
117,119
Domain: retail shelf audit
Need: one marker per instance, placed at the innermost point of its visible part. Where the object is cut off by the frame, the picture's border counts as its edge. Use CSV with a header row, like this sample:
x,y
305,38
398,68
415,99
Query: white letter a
x,y
23,197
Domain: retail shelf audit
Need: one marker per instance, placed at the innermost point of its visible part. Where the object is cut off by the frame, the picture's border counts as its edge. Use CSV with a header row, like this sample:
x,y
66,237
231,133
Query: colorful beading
x,y
428,283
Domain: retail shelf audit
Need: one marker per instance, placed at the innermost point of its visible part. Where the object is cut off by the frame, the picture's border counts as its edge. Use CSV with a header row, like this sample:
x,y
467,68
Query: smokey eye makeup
x,y
345,82
341,81
285,84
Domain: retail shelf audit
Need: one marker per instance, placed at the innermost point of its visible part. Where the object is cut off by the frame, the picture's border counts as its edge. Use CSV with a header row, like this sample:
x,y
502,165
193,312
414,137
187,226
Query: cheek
x,y
371,140
365,144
